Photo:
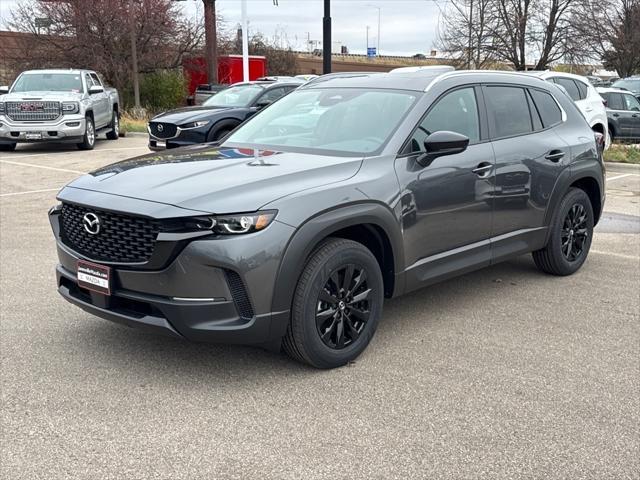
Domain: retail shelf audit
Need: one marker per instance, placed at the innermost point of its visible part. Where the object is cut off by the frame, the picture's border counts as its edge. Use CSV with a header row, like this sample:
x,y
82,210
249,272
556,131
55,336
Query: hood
x,y
218,179
45,96
188,114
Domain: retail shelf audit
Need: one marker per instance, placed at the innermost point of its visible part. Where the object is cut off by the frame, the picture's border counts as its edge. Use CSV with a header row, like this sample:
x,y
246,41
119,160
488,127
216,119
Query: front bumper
x,y
183,138
67,128
212,291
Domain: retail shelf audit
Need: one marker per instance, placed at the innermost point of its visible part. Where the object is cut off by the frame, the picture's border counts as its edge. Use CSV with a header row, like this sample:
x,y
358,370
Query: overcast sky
x,y
407,26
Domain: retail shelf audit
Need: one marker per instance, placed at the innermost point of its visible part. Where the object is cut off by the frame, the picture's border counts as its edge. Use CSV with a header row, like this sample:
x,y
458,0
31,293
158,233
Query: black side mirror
x,y
442,143
95,89
263,103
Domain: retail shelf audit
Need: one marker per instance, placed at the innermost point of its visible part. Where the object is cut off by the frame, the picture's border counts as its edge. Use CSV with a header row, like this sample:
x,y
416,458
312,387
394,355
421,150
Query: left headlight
x,y
190,125
235,224
70,107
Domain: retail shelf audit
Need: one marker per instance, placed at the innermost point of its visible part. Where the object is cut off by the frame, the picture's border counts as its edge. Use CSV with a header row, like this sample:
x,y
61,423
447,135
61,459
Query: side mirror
x,y
442,143
4,89
95,89
263,103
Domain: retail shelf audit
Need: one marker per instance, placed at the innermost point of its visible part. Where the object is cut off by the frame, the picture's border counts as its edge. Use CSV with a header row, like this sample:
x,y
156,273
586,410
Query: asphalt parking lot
x,y
502,373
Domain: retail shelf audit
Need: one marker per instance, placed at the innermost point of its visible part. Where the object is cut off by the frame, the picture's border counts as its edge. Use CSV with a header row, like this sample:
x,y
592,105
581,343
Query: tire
x,y
7,147
220,130
114,133
89,137
346,334
573,215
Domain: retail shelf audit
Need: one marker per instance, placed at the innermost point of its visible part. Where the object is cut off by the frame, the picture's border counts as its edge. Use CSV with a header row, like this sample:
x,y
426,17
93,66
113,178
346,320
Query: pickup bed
x,y
70,106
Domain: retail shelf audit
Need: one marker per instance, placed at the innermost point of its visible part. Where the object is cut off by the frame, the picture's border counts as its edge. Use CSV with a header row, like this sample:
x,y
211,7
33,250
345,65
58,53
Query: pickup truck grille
x,y
30,111
121,238
163,130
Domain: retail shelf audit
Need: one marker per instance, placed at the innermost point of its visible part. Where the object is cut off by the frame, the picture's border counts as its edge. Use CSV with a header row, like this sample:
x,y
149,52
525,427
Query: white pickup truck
x,y
70,106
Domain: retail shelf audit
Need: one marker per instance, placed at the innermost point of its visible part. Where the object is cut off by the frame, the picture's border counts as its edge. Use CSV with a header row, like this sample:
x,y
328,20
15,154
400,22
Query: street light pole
x,y
379,15
245,43
326,38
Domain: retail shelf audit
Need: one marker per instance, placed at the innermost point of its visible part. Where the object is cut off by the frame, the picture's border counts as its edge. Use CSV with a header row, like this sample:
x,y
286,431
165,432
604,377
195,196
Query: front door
x,y
446,205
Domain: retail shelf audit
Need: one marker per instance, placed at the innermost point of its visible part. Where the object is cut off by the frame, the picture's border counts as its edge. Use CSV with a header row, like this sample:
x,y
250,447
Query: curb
x,y
622,167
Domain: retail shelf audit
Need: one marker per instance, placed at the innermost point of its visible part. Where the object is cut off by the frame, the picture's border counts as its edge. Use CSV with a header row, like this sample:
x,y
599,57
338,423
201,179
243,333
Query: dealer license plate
x,y
94,277
33,135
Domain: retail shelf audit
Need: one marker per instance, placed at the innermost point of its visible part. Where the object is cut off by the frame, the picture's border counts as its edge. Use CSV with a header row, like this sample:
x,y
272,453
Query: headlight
x,y
1,107
190,125
235,224
70,107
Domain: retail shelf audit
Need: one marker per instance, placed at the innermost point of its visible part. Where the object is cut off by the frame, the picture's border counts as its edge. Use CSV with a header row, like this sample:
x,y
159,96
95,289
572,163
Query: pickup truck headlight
x,y
190,125
70,107
1,107
235,224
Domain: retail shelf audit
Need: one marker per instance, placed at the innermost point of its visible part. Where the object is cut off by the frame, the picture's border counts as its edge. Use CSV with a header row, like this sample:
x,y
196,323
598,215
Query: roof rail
x,y
330,76
425,68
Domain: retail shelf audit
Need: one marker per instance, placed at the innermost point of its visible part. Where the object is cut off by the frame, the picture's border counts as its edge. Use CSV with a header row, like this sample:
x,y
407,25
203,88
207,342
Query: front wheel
x,y
7,147
337,305
89,138
570,235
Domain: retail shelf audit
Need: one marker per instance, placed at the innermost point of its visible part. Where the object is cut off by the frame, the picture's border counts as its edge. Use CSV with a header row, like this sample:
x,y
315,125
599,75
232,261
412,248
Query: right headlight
x,y
234,224
70,107
1,107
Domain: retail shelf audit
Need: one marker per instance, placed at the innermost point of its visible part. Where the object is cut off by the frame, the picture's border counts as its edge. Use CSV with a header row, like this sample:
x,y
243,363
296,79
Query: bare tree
x,y
96,36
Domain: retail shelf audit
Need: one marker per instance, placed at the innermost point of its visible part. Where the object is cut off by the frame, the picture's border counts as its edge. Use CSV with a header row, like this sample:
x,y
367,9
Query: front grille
x,y
163,130
239,294
33,111
121,238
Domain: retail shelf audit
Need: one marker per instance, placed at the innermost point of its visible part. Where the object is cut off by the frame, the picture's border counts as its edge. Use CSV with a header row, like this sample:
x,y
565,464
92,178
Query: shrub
x,y
162,90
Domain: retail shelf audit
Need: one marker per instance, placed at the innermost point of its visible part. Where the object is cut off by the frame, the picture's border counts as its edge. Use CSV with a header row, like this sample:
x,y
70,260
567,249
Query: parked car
x,y
206,90
623,113
220,114
70,106
292,233
584,95
631,84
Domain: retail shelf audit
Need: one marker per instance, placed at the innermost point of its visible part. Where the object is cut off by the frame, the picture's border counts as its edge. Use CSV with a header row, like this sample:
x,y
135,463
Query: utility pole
x,y
211,47
134,55
326,38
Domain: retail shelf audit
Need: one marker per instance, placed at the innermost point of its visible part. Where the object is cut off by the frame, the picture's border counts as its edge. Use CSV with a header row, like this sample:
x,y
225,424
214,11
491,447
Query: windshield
x,y
48,82
632,85
240,96
347,121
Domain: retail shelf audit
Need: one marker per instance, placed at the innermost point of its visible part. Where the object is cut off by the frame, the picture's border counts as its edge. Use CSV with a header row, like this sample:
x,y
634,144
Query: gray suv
x,y
354,188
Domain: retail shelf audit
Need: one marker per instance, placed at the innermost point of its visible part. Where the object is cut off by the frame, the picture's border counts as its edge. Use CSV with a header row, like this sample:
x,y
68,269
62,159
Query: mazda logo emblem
x,y
91,223
160,127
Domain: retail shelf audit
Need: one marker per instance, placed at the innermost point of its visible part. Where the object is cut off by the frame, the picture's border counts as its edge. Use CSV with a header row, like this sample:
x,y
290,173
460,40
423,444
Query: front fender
x,y
306,238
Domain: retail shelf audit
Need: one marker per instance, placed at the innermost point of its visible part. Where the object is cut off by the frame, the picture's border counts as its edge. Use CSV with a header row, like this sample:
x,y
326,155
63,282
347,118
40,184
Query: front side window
x,y
238,96
570,86
346,121
508,111
616,102
631,103
456,112
549,111
48,82
272,95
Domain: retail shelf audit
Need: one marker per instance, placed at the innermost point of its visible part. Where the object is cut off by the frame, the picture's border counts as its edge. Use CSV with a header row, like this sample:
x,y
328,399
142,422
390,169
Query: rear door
x,y
102,103
631,118
529,157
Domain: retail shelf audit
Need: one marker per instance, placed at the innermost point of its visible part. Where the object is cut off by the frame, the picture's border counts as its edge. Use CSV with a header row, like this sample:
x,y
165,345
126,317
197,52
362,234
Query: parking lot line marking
x,y
620,176
619,255
41,166
30,191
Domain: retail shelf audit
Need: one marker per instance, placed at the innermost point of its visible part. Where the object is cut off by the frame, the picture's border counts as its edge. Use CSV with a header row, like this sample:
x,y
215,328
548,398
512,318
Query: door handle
x,y
588,109
634,115
482,169
616,114
554,155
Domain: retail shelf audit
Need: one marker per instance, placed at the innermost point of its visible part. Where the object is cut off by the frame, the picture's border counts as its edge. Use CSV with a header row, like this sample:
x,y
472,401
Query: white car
x,y
585,96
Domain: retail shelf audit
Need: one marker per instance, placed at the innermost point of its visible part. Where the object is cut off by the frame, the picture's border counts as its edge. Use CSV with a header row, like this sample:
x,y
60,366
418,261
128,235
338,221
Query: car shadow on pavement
x,y
150,356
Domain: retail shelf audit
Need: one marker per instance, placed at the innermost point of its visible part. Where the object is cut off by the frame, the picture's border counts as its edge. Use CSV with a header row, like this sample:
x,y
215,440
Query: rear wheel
x,y
89,138
337,305
570,235
7,147
114,133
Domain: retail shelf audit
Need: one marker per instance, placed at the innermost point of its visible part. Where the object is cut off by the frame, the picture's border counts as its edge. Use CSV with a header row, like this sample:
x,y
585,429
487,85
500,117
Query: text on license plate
x,y
94,277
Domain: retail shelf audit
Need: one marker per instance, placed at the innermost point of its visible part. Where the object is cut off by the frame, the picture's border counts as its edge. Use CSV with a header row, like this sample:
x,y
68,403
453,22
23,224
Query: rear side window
x,y
582,89
549,111
615,102
570,86
632,103
508,111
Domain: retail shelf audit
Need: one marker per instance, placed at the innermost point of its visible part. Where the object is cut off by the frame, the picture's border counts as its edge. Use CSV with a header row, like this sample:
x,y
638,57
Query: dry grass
x,y
130,124
623,154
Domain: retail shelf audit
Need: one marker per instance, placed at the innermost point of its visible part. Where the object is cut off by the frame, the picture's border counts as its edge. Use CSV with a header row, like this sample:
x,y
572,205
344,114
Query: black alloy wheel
x,y
343,307
574,232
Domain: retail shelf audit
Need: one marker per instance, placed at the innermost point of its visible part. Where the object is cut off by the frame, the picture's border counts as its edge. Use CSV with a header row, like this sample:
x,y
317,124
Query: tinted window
x,y
582,88
535,116
570,86
509,110
547,108
631,103
272,95
96,80
615,102
456,112
630,84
